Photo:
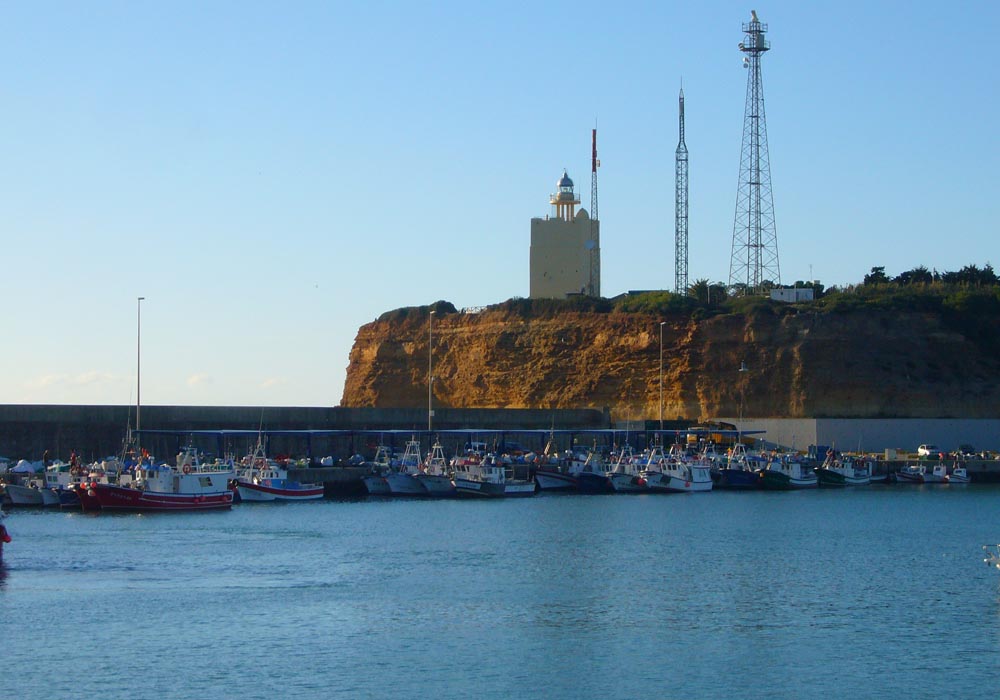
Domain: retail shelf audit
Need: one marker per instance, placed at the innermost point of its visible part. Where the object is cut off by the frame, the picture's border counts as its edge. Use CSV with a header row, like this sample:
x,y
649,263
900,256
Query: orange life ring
x,y
187,469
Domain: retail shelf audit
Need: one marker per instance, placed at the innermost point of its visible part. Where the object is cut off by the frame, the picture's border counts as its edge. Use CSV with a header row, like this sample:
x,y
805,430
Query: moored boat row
x,y
190,484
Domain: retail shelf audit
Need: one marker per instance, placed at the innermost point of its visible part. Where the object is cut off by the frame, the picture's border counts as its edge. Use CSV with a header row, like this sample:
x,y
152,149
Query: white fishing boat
x,y
555,471
262,480
594,476
625,474
28,493
652,470
959,475
380,467
514,487
403,480
435,473
482,478
682,474
847,471
937,475
785,472
911,474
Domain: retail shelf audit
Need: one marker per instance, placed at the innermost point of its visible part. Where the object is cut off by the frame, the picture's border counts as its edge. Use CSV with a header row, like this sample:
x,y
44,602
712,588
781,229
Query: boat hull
x,y
262,492
377,485
50,497
478,489
405,485
23,495
670,483
736,479
628,483
112,497
519,489
69,497
830,478
661,483
553,480
773,480
437,485
588,482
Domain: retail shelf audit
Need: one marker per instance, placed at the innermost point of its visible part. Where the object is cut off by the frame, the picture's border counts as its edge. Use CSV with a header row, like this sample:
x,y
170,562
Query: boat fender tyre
x,y
187,469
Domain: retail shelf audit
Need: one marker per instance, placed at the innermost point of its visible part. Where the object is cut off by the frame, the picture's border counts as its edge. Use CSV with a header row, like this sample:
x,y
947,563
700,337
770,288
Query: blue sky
x,y
271,176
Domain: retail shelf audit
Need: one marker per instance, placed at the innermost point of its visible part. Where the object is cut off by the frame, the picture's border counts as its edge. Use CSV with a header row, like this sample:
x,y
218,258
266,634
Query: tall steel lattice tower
x,y
754,258
595,272
681,208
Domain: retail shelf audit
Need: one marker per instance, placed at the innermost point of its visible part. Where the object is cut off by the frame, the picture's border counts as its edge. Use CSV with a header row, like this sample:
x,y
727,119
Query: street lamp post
x,y
430,369
138,360
662,324
743,370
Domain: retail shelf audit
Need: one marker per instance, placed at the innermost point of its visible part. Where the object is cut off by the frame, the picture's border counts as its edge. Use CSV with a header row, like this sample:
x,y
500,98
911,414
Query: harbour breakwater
x,y
27,431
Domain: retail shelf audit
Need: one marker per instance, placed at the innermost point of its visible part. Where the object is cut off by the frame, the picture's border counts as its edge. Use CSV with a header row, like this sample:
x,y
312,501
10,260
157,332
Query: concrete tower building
x,y
565,249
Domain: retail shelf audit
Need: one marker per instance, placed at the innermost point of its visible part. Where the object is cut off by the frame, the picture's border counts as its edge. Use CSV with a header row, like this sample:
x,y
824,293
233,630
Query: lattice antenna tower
x,y
681,206
595,272
754,259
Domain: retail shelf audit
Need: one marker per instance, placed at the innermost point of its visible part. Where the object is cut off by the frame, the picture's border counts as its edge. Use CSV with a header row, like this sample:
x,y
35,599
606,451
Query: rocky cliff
x,y
798,364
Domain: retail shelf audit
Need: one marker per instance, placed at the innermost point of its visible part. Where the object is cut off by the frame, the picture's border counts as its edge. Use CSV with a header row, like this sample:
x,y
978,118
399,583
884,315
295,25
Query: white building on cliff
x,y
565,254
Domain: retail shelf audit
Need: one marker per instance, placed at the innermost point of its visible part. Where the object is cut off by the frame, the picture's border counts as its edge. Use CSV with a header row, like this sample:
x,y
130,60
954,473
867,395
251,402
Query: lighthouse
x,y
565,248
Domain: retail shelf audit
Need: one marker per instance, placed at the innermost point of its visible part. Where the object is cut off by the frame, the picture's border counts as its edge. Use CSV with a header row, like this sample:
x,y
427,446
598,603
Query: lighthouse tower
x,y
565,248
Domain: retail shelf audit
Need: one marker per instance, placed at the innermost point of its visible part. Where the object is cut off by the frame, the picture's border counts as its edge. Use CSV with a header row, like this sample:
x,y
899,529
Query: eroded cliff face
x,y
859,364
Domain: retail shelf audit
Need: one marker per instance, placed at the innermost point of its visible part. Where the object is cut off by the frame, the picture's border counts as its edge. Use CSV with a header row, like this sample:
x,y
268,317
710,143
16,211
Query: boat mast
x,y
138,361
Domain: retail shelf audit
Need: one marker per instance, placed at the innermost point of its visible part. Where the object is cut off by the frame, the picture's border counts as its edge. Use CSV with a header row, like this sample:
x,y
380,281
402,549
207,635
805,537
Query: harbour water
x,y
874,592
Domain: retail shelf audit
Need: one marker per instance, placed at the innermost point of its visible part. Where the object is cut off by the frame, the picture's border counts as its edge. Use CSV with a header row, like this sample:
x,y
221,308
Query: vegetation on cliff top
x,y
968,301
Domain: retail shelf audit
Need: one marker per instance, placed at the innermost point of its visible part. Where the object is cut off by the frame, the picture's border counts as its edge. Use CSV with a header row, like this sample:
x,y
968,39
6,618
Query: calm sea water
x,y
878,592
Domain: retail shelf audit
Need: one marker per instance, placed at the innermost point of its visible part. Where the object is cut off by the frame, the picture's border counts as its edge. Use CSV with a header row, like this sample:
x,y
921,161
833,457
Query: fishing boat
x,y
512,486
785,472
555,472
435,473
681,474
625,475
959,475
403,481
937,475
262,479
187,485
26,494
652,470
739,470
594,476
483,478
837,473
379,468
911,474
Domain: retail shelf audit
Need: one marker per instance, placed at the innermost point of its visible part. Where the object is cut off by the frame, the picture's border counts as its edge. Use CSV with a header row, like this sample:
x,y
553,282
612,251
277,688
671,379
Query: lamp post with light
x,y
662,324
430,369
743,370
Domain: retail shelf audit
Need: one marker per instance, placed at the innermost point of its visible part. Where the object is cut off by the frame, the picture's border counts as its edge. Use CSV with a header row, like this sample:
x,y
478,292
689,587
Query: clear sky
x,y
270,176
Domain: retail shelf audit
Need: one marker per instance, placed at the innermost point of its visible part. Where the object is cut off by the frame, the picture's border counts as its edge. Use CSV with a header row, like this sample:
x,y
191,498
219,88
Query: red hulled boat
x,y
186,486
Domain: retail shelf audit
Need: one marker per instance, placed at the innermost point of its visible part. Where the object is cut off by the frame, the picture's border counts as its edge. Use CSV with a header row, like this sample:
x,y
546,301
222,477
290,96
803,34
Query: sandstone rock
x,y
856,364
